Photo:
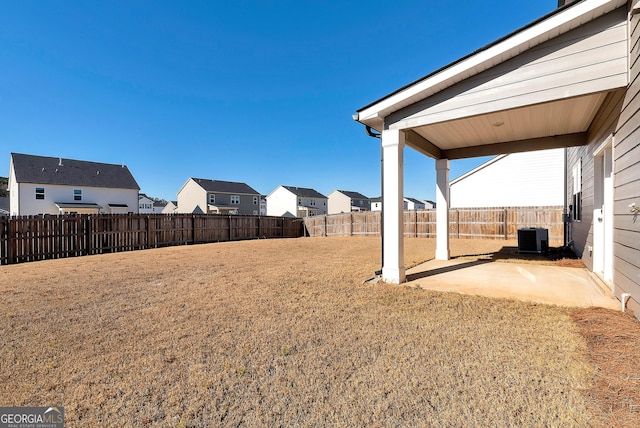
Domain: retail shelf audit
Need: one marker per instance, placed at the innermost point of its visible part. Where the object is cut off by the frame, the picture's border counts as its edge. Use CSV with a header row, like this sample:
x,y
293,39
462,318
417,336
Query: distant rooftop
x,y
353,195
304,192
71,172
225,186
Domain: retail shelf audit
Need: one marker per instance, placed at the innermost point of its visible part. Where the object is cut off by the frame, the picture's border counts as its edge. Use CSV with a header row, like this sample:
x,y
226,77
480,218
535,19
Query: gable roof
x,y
353,195
225,186
415,201
478,168
559,21
71,172
304,192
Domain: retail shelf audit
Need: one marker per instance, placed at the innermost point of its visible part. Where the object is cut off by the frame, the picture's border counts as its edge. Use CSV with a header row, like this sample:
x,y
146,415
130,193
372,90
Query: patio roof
x,y
538,88
544,86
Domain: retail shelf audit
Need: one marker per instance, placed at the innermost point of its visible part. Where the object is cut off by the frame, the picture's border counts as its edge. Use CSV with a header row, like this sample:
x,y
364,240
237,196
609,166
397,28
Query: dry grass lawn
x,y
284,333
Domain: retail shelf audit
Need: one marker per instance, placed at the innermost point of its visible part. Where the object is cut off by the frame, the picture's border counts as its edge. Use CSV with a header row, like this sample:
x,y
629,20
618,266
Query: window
x,y
212,198
576,201
39,192
77,195
235,200
255,200
299,201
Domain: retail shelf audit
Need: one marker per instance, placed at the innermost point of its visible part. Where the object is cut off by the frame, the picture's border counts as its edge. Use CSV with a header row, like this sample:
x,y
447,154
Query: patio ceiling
x,y
561,123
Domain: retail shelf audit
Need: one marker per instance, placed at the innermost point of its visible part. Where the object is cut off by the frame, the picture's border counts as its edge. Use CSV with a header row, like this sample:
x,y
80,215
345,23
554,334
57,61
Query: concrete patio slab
x,y
563,286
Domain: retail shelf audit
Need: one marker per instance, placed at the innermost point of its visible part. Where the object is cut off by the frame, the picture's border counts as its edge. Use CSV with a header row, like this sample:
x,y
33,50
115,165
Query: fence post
x,y
506,225
326,218
10,240
193,228
351,225
88,235
458,222
147,244
259,224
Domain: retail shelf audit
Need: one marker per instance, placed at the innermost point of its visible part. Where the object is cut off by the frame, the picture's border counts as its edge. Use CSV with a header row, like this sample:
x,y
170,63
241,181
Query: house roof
x,y
415,201
71,172
225,186
462,59
353,195
459,110
478,168
502,48
304,192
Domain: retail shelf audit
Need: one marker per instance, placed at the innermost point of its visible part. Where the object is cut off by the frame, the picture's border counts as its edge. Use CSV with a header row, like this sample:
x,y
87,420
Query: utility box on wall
x,y
533,240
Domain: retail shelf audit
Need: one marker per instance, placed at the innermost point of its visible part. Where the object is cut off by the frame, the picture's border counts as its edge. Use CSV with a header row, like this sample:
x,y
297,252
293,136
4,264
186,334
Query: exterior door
x,y
603,213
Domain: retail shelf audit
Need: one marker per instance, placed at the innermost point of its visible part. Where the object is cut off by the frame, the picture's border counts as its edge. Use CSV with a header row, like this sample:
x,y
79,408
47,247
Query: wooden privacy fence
x,y
31,238
485,223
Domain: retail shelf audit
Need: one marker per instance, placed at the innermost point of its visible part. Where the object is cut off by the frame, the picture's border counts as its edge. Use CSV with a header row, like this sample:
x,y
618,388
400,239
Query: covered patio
x,y
547,85
530,282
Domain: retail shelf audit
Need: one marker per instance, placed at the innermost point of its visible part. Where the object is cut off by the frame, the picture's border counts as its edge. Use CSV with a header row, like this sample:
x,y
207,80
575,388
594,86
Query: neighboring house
x,y
48,185
376,204
514,180
407,204
263,204
170,208
158,207
344,201
413,204
428,204
4,205
204,196
567,80
289,201
145,204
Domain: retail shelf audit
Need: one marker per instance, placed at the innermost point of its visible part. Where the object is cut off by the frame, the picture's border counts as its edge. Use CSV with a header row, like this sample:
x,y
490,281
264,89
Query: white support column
x,y
442,209
393,206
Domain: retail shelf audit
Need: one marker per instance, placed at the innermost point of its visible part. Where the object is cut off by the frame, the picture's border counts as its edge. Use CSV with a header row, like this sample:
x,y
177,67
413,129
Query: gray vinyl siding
x,y
626,161
581,231
245,207
602,127
620,113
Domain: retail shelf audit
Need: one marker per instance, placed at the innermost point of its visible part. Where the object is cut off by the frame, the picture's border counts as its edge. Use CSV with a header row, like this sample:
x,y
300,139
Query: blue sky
x,y
255,91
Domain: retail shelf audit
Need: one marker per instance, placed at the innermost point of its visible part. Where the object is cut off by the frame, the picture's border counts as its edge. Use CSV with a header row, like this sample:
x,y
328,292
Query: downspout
x,y
372,134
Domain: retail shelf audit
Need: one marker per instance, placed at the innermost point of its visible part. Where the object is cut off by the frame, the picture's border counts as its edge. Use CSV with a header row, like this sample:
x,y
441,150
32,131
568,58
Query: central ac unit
x,y
533,240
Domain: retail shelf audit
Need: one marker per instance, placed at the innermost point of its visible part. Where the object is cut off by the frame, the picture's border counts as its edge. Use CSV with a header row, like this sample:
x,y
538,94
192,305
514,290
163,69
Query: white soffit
x,y
558,23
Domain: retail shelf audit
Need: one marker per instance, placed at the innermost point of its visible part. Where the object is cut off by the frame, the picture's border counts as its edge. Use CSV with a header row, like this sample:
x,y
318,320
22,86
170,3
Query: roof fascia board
x,y
485,58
